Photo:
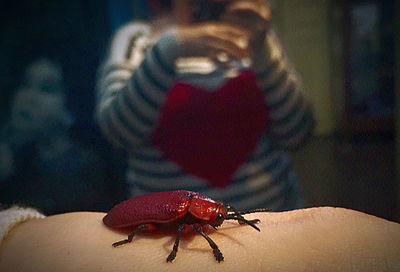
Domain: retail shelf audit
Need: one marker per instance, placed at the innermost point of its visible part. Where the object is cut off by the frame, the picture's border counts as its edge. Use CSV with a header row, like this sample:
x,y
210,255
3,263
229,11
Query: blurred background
x,y
53,156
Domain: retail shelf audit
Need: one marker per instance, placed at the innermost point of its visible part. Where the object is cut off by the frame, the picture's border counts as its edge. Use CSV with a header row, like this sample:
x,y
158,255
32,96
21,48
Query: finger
x,y
212,30
227,31
232,48
211,38
231,37
207,44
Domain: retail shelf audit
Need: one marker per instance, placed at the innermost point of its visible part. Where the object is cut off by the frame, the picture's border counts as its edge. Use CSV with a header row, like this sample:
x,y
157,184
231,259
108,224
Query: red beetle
x,y
183,210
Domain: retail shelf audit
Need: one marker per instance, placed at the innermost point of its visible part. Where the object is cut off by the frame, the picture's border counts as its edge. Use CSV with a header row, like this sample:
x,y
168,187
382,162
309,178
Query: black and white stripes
x,y
132,90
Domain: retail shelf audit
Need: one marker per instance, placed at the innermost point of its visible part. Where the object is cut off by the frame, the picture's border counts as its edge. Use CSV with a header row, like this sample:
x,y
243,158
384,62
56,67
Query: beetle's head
x,y
220,215
226,212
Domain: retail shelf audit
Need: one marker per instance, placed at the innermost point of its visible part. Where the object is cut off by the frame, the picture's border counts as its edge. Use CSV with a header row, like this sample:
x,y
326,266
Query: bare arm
x,y
318,239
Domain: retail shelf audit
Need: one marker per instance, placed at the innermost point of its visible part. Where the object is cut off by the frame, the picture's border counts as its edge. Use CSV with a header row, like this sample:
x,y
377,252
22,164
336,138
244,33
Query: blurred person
x,y
202,97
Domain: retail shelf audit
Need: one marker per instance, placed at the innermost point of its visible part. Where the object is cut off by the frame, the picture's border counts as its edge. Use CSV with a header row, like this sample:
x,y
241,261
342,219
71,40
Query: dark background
x,y
74,34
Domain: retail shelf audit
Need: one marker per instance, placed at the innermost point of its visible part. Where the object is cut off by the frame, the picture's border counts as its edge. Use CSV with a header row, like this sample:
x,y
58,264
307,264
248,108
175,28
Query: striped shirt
x,y
134,81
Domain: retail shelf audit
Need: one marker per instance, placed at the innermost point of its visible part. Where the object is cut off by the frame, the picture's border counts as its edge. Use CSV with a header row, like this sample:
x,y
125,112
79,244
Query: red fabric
x,y
210,134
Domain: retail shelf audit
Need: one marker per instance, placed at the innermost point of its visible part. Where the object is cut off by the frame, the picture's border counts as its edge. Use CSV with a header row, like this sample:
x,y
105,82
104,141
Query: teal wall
x,y
304,27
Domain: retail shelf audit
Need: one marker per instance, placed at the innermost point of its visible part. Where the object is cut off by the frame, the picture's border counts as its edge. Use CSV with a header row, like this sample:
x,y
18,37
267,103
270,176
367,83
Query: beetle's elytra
x,y
183,210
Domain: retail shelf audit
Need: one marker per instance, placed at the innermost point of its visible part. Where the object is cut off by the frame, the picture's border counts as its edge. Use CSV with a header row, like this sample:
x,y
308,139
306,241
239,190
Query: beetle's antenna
x,y
253,211
242,219
231,209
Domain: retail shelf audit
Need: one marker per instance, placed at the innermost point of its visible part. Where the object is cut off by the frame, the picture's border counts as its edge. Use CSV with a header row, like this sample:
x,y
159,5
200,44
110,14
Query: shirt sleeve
x,y
291,114
133,84
13,216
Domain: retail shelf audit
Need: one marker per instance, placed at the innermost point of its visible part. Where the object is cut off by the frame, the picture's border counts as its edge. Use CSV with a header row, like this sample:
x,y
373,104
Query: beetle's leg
x,y
254,221
217,253
139,228
172,255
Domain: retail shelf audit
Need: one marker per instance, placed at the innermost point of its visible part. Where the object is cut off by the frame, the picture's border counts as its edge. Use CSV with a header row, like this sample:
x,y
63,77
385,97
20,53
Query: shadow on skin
x,y
185,239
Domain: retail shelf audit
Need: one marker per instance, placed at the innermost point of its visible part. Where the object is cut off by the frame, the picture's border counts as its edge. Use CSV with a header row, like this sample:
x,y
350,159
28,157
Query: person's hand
x,y
211,38
251,15
316,239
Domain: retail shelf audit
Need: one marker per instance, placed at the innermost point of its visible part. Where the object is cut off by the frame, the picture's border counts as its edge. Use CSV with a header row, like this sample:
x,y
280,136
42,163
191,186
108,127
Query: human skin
x,y
315,239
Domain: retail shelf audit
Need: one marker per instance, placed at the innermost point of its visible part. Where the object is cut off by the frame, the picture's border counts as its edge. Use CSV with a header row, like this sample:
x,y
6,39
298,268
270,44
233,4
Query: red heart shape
x,y
210,134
